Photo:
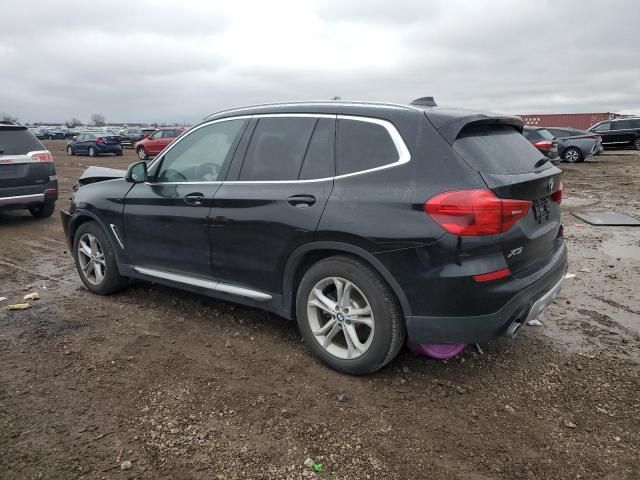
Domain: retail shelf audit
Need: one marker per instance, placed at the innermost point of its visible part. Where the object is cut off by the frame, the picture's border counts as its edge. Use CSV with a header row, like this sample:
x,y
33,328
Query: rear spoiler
x,y
450,123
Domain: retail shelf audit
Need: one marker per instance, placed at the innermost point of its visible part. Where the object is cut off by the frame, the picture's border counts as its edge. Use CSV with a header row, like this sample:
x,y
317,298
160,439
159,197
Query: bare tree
x,y
8,118
98,120
74,122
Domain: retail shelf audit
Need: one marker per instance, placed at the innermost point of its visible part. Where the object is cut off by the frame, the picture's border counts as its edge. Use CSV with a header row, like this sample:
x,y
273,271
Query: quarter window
x,y
277,148
199,156
363,145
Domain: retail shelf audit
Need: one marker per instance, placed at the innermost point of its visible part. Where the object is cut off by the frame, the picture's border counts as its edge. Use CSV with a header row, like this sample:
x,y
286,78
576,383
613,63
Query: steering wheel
x,y
173,175
205,170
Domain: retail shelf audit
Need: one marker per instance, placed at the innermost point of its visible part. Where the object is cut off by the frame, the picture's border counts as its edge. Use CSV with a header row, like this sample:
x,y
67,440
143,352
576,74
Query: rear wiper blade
x,y
541,162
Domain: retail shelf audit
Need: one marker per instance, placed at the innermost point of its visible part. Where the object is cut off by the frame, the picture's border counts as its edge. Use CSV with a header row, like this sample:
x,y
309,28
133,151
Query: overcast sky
x,y
178,60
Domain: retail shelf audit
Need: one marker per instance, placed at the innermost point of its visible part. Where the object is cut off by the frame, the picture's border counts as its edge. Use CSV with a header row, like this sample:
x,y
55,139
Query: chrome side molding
x,y
208,284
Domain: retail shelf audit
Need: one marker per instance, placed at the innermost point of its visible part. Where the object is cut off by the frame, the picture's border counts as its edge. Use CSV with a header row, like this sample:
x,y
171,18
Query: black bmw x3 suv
x,y
370,224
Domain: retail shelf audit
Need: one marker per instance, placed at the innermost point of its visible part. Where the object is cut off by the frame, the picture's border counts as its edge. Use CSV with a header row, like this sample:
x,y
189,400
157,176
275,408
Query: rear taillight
x,y
99,140
557,195
475,212
543,144
41,156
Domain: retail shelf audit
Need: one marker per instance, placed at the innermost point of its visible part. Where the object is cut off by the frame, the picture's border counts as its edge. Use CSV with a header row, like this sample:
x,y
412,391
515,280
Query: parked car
x,y
41,134
56,134
544,141
576,145
27,173
341,216
156,142
129,137
95,144
619,133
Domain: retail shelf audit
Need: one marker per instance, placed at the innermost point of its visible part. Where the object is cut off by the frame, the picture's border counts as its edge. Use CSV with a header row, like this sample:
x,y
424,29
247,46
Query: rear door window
x,y
18,141
277,148
363,145
623,125
497,149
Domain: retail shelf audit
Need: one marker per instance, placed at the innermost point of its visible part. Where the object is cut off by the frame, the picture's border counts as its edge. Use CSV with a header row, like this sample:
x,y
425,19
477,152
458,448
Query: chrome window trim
x,y
404,156
208,284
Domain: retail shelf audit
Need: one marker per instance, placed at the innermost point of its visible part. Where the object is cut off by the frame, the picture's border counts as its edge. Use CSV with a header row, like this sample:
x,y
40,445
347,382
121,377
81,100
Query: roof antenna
x,y
424,102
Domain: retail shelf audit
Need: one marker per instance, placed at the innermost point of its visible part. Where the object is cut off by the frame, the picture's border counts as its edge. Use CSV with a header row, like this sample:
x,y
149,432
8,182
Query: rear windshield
x,y
496,149
17,141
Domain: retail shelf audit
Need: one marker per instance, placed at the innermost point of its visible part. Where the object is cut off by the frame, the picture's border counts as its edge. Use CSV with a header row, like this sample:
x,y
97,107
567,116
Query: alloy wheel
x,y
92,152
572,155
91,259
341,318
142,155
636,144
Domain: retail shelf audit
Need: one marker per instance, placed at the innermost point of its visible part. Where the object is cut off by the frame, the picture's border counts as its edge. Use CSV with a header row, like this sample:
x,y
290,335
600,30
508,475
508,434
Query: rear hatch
x,y
22,161
514,169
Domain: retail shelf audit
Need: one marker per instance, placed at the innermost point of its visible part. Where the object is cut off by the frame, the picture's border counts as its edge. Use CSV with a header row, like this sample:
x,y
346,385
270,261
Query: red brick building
x,y
581,121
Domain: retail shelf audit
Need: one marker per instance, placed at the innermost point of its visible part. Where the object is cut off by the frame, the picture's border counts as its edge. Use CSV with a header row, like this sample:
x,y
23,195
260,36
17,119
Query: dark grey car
x,y
576,145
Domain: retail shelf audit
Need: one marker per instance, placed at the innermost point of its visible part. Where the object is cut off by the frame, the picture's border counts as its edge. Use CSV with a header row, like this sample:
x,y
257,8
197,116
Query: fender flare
x,y
74,224
299,253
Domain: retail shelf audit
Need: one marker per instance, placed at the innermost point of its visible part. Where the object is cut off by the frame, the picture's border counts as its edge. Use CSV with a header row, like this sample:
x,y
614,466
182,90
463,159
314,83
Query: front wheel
x,y
96,260
572,155
348,316
142,153
636,144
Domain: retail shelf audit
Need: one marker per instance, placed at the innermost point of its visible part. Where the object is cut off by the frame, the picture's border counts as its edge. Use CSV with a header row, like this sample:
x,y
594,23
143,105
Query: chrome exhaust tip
x,y
513,329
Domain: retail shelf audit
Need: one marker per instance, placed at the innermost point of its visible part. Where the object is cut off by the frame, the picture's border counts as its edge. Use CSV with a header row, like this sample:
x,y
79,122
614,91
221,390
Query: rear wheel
x,y
636,144
92,152
69,150
348,316
572,155
43,210
119,154
142,153
96,260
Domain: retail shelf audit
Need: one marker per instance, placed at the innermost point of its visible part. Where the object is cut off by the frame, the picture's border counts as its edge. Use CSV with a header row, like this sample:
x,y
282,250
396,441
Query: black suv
x,y
620,133
370,224
27,174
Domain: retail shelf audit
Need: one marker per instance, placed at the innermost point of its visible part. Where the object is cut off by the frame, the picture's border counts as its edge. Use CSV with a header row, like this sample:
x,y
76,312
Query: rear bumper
x,y
523,306
24,197
104,148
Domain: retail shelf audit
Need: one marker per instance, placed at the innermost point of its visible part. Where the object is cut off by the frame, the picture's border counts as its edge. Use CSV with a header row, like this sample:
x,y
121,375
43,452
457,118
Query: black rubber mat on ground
x,y
608,218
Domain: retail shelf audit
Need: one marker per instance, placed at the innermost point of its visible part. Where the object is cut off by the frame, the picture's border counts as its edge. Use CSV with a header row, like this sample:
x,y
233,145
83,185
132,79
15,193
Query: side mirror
x,y
137,173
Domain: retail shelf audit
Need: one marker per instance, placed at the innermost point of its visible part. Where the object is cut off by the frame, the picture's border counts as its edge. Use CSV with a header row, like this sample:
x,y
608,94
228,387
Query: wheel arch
x,y
303,257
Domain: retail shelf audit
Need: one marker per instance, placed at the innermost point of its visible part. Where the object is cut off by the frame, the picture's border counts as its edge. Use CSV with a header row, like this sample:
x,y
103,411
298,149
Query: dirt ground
x,y
186,387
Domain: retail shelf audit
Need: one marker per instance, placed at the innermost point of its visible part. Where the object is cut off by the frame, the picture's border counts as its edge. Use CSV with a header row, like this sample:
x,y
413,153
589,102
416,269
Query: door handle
x,y
195,198
301,201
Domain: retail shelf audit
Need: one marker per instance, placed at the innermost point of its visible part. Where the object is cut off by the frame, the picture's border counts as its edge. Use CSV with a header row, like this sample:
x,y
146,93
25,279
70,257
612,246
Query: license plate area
x,y
541,210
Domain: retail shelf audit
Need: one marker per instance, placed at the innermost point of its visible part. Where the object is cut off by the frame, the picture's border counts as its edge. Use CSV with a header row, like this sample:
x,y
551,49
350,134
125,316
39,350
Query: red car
x,y
153,144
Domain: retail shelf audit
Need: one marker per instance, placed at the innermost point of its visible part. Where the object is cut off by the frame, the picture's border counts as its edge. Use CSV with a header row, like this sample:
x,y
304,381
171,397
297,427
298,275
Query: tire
x,y
572,155
378,345
118,154
92,152
142,153
43,210
636,143
110,281
70,151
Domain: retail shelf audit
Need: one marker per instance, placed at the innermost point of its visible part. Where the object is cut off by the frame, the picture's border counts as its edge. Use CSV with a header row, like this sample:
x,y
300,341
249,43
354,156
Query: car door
x,y
606,132
273,198
623,133
166,218
153,145
83,146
